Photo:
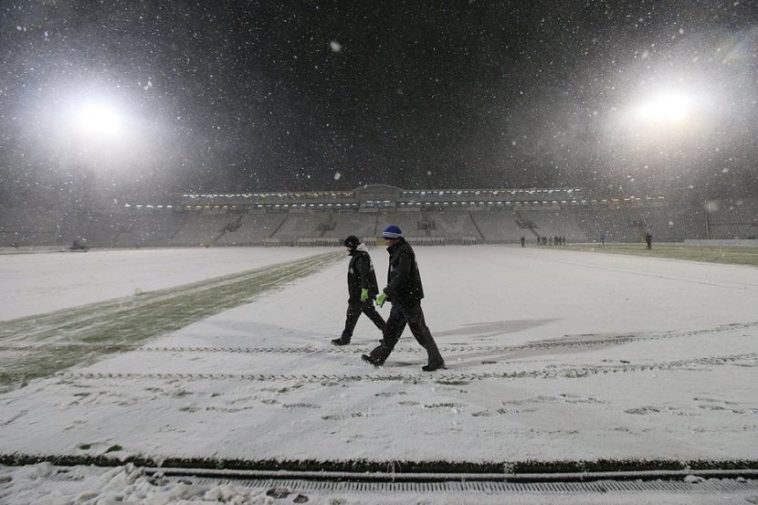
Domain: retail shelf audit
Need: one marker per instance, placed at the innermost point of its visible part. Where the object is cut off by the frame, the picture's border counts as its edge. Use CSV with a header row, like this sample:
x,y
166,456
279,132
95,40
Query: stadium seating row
x,y
175,226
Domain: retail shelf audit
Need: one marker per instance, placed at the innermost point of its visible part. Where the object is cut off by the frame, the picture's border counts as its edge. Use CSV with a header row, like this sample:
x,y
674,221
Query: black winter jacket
x,y
360,275
403,278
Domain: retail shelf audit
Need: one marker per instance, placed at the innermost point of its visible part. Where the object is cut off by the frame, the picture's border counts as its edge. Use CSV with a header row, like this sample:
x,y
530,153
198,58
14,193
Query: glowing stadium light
x,y
660,117
98,119
666,108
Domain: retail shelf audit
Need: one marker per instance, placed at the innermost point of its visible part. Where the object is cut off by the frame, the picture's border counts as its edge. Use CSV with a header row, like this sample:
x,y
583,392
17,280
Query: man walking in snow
x,y
404,291
362,289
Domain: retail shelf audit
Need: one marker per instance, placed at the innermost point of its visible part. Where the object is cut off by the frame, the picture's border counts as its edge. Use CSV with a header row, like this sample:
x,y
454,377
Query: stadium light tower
x,y
666,125
662,123
93,137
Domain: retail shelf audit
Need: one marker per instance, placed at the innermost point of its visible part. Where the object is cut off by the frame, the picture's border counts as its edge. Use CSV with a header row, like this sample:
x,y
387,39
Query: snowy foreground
x,y
552,356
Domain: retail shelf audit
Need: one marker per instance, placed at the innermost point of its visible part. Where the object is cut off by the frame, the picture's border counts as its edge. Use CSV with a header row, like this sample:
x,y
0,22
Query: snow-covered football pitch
x,y
225,354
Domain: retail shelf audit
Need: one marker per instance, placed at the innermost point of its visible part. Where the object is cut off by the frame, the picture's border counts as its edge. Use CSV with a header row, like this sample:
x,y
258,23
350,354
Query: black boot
x,y
373,361
431,367
341,341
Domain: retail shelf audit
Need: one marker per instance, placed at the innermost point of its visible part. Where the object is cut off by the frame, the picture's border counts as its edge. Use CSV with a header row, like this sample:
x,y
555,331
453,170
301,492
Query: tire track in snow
x,y
569,372
568,342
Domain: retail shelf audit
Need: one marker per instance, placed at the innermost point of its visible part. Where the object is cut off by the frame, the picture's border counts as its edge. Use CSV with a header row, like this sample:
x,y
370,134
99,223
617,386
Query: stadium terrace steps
x,y
161,226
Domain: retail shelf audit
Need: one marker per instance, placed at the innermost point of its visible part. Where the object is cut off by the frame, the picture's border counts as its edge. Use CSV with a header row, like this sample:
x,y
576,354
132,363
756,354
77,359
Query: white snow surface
x,y
551,355
45,282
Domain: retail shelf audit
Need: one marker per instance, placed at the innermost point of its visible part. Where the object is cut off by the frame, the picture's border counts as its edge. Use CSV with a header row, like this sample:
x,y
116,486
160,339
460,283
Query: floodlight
x,y
666,108
98,119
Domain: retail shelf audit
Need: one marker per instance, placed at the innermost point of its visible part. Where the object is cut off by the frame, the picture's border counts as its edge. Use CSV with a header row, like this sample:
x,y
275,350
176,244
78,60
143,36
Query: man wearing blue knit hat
x,y
404,291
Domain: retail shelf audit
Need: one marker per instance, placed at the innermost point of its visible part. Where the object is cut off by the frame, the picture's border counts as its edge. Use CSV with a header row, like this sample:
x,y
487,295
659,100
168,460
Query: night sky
x,y
218,96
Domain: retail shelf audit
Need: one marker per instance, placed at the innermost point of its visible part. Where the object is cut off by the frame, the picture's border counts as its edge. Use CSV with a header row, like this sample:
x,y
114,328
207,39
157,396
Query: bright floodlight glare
x,y
666,108
98,119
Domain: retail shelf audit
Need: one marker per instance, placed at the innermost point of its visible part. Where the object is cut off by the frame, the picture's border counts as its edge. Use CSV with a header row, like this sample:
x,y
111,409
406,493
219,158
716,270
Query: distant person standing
x,y
362,290
523,241
649,240
404,291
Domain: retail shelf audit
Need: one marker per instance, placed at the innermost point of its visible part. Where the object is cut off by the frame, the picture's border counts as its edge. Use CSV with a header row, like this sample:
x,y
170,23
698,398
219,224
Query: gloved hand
x,y
381,299
364,294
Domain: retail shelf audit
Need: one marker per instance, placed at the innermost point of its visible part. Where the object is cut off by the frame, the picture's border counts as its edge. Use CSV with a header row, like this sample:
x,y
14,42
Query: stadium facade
x,y
431,217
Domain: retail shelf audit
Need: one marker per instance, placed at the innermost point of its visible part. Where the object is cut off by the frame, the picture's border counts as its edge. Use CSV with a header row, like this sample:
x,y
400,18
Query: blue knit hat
x,y
392,231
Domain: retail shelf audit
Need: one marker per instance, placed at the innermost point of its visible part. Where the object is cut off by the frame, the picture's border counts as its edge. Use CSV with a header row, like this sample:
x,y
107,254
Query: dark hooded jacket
x,y
360,275
403,278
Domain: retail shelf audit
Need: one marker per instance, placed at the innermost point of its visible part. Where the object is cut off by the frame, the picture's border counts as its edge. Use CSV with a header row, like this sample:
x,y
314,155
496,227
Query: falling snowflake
x,y
336,46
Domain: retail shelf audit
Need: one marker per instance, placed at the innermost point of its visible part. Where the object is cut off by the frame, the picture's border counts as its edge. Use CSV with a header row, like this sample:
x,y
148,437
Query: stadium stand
x,y
251,228
202,228
502,226
732,219
427,217
299,226
674,224
612,222
28,227
553,222
453,226
149,228
361,225
95,228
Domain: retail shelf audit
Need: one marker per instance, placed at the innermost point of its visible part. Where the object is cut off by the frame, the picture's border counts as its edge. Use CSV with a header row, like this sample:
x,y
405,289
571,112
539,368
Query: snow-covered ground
x,y
552,355
40,283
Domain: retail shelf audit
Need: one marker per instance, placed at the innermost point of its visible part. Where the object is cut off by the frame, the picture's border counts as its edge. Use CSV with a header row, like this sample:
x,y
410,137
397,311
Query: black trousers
x,y
354,311
413,316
